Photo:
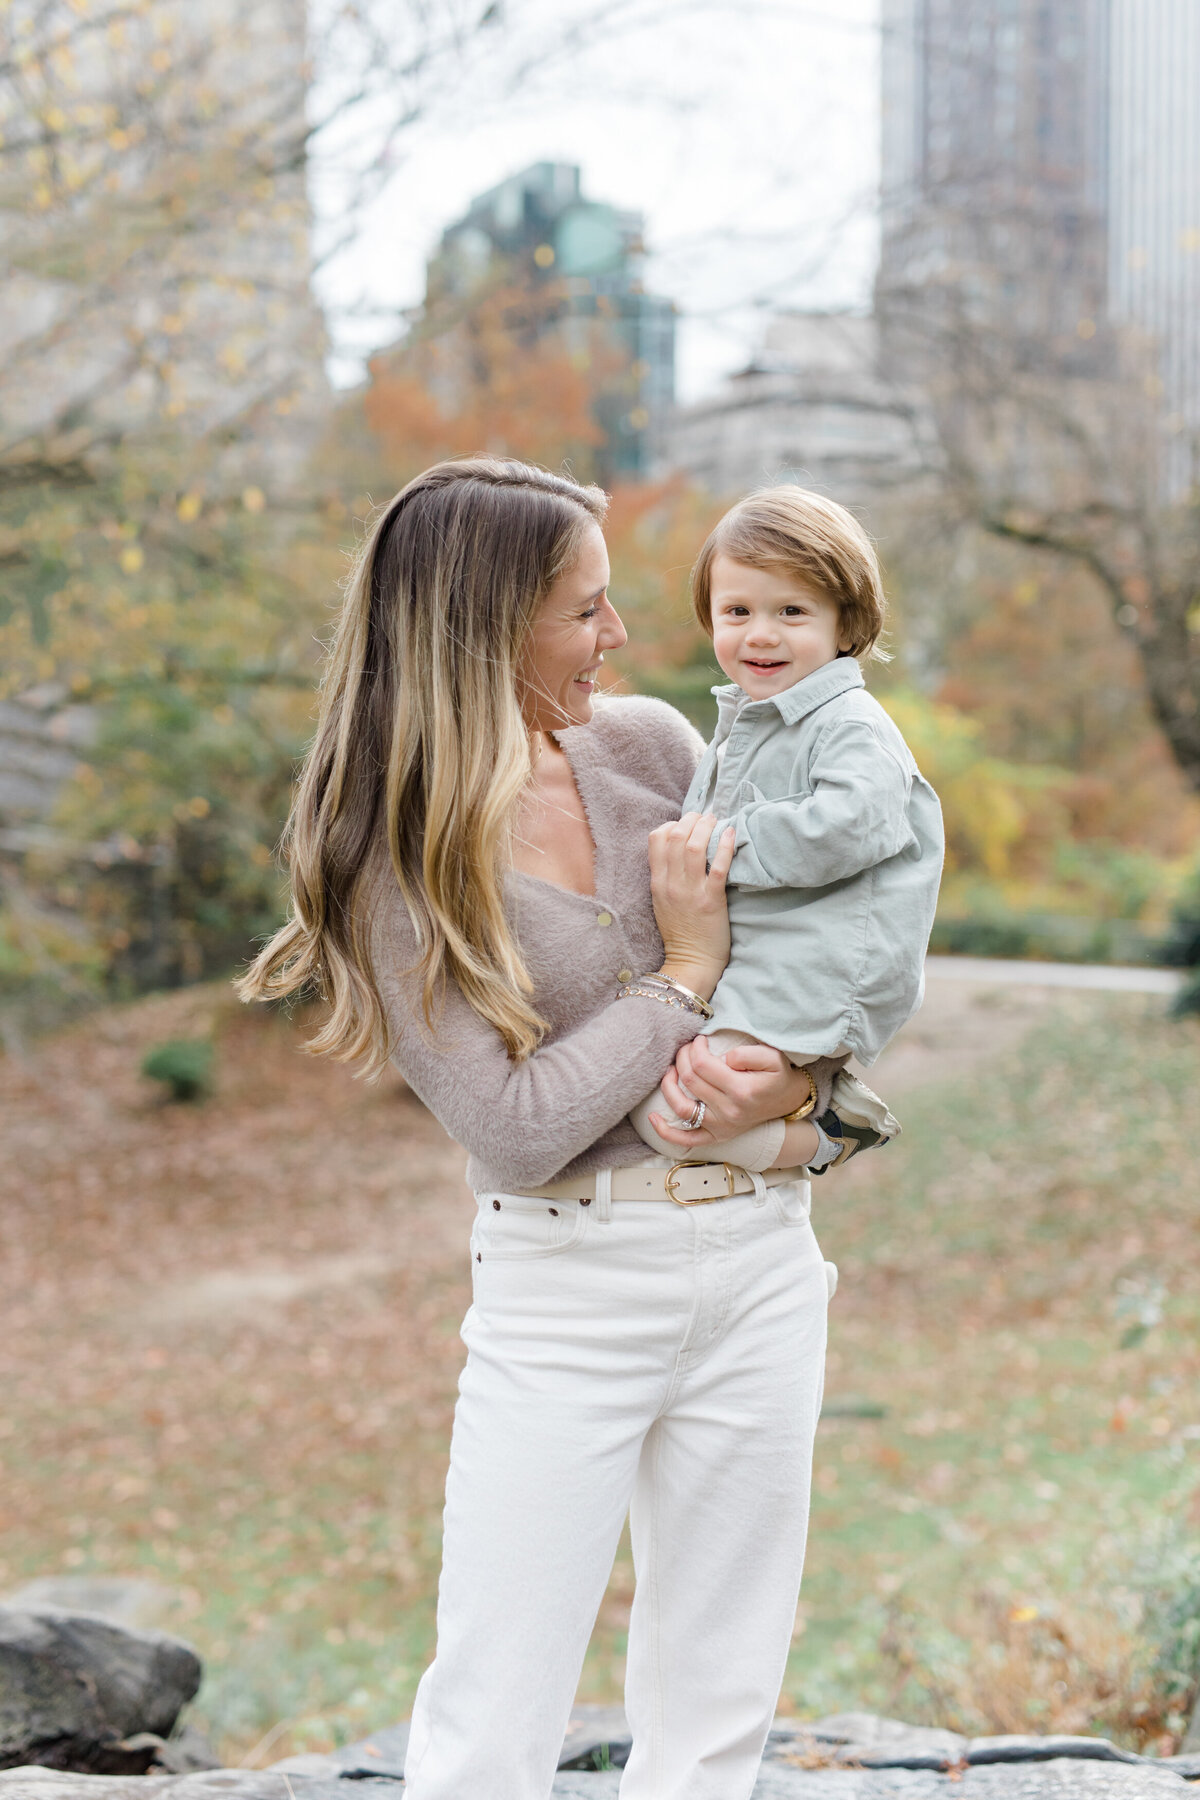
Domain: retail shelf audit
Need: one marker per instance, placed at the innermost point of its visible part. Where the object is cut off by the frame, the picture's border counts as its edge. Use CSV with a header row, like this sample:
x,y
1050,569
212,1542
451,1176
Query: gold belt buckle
x,y
704,1199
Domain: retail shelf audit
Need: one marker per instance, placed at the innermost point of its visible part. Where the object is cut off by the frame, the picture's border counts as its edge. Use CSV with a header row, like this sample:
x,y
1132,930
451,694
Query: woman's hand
x,y
689,900
749,1084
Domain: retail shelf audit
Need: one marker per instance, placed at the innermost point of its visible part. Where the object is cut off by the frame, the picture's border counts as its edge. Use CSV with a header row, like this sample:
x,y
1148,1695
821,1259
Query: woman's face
x,y
575,625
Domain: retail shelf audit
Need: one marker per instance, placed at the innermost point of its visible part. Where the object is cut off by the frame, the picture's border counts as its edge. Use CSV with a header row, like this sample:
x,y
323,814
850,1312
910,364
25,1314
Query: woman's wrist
x,y
699,977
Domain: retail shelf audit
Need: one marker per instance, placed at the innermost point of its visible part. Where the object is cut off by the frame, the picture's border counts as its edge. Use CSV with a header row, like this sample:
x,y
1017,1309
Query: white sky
x,y
748,140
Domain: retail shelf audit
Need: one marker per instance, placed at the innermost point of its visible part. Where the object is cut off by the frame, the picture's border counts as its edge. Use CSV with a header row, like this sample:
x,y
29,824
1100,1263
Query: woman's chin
x,y
579,706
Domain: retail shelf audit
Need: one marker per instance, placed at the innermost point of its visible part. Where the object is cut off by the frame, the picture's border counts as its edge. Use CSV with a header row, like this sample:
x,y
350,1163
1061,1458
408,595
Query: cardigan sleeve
x,y
525,1120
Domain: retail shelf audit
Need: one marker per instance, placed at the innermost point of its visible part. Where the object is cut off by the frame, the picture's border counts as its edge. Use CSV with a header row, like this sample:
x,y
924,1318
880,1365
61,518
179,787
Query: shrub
x,y
184,1065
1171,1630
1181,950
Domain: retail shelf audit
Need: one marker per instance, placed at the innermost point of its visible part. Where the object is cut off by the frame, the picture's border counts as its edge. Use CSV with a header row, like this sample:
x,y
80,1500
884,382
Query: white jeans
x,y
629,1355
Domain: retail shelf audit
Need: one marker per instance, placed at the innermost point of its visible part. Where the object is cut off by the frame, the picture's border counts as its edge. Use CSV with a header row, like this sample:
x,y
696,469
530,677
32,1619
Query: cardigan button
x,y
624,974
604,918
496,1205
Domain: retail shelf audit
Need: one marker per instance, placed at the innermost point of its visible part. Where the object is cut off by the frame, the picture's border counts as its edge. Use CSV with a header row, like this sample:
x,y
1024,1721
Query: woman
x,y
468,853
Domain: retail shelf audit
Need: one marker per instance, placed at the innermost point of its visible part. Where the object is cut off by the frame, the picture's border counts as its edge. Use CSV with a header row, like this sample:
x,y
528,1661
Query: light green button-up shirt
x,y
836,871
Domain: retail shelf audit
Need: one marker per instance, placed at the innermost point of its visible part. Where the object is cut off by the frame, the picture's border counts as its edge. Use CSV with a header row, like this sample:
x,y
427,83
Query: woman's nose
x,y
612,633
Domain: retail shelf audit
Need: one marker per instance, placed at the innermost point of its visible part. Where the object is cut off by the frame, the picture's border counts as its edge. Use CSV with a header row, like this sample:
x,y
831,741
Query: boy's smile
x,y
770,628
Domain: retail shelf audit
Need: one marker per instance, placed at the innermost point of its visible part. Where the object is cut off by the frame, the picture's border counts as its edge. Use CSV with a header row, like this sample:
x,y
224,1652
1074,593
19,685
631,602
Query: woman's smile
x,y
576,616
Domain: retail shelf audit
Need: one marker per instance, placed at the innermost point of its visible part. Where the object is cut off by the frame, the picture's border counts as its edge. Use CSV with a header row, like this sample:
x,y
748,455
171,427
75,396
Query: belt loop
x,y
604,1194
760,1187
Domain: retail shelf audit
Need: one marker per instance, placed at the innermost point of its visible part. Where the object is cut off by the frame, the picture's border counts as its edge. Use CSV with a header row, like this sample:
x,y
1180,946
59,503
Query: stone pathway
x,y
888,1760
1110,978
1063,1779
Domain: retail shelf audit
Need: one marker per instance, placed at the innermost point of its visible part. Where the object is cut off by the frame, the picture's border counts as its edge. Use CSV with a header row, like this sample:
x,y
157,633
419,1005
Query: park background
x,y
263,264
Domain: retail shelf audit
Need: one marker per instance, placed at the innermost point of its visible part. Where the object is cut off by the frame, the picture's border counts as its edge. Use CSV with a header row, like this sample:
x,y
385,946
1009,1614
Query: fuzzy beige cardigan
x,y
563,1109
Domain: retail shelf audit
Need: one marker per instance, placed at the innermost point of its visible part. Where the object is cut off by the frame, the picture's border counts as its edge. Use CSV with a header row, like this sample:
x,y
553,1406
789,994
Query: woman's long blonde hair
x,y
420,739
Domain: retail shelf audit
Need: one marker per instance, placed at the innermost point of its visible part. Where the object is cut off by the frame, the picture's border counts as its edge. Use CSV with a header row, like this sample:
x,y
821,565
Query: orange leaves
x,y
506,372
523,400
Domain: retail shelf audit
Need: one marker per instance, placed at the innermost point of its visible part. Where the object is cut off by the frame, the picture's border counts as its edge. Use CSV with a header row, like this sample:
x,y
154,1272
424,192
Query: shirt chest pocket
x,y
747,793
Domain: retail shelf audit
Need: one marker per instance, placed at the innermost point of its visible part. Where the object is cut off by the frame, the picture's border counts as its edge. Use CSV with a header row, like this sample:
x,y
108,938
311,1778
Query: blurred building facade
x,y
812,407
1154,198
538,227
1041,168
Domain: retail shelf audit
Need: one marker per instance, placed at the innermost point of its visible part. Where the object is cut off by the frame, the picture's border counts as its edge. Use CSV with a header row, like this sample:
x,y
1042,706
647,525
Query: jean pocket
x,y
792,1201
510,1228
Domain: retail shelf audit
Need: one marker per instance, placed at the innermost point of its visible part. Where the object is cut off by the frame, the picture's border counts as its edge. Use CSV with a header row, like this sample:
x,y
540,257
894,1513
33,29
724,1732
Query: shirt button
x,y
604,918
624,974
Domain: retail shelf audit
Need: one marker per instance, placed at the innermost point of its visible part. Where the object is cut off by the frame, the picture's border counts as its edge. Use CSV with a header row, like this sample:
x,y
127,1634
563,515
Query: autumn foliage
x,y
189,618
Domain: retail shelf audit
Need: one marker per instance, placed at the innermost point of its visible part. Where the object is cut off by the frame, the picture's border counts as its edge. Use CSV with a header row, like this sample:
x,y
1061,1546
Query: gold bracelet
x,y
807,1106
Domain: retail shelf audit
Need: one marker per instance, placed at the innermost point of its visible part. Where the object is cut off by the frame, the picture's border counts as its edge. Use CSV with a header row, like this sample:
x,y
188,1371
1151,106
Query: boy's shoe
x,y
857,1119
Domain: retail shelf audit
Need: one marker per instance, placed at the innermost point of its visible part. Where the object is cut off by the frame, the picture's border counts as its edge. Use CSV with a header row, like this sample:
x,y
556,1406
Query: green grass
x,y
1009,1511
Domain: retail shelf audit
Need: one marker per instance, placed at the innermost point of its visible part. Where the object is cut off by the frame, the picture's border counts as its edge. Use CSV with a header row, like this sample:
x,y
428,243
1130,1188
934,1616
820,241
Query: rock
x,y
219,1784
1047,1749
865,1739
126,1598
81,1692
379,1757
185,1751
1064,1779
374,1766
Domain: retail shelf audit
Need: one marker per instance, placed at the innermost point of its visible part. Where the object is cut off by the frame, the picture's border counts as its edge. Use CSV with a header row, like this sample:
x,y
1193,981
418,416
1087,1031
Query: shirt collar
x,y
796,702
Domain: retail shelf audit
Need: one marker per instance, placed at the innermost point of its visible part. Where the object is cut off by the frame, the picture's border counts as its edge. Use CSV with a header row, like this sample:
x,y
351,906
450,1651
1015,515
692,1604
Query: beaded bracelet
x,y
706,1010
693,1002
667,993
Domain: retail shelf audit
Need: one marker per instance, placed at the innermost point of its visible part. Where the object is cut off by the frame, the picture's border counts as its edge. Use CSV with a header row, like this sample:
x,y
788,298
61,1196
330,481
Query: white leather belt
x,y
687,1184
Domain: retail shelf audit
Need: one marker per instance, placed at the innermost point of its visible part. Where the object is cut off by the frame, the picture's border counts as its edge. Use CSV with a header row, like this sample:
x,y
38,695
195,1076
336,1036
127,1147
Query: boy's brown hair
x,y
808,536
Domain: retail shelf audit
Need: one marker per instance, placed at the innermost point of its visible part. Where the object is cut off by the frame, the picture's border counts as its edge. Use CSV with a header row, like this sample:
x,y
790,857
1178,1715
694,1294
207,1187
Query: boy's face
x,y
770,628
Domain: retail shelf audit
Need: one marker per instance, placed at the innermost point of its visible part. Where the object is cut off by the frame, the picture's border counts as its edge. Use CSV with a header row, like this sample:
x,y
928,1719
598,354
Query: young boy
x,y
839,837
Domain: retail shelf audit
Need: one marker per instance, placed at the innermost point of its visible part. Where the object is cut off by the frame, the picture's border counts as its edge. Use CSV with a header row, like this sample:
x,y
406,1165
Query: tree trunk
x,y
1170,654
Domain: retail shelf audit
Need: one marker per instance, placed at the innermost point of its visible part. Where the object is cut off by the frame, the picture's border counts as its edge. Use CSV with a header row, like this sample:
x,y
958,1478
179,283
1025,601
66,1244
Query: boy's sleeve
x,y
856,815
